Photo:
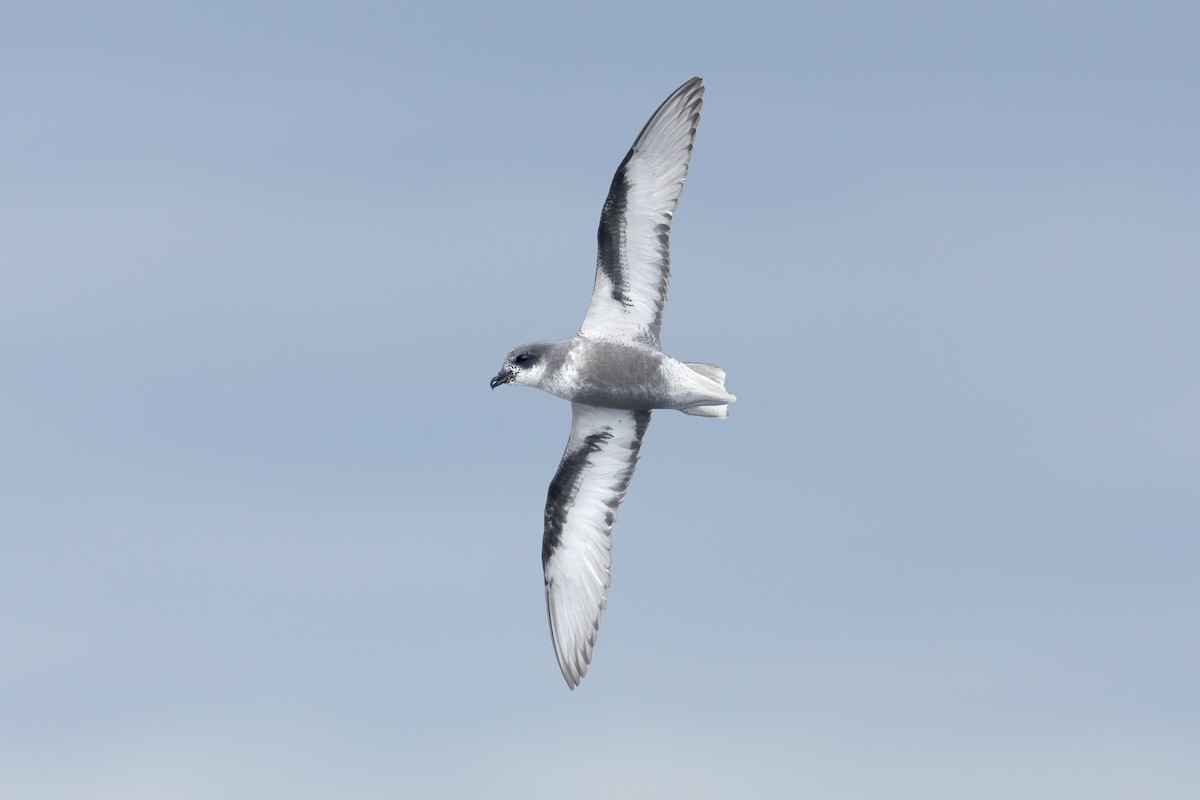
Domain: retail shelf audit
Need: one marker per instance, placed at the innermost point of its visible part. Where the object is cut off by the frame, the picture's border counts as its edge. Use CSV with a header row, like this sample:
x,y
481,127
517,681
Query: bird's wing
x,y
580,508
634,260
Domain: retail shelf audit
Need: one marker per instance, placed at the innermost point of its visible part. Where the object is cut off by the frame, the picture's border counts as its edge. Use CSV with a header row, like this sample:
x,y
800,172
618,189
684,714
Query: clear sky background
x,y
266,532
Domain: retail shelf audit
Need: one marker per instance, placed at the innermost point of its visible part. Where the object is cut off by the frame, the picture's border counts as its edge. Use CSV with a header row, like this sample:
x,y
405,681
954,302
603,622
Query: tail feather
x,y
710,371
717,375
719,412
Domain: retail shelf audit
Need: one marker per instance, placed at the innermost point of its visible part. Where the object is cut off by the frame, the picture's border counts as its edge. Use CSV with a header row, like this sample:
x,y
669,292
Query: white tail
x,y
710,371
717,375
720,412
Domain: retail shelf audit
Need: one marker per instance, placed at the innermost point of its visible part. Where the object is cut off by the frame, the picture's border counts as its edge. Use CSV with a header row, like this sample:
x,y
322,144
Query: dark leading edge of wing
x,y
580,509
633,261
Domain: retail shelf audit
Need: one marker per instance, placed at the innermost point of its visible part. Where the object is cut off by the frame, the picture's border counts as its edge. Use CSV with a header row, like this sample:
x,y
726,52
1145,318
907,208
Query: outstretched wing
x,y
634,260
580,508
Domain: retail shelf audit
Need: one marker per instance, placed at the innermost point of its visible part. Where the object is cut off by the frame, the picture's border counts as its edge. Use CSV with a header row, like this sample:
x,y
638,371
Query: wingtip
x,y
692,88
694,85
572,676
573,671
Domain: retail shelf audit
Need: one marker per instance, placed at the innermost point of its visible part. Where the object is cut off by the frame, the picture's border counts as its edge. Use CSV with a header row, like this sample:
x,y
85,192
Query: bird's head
x,y
524,365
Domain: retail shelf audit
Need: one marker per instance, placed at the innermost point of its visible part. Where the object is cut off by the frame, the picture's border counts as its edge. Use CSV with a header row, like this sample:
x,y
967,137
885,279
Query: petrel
x,y
614,372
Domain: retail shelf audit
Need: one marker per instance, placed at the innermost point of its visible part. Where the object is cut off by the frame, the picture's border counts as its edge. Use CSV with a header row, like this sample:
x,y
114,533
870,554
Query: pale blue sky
x,y
267,533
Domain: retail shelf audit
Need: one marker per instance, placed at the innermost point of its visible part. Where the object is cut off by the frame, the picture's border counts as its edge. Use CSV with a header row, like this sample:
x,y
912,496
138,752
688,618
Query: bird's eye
x,y
523,358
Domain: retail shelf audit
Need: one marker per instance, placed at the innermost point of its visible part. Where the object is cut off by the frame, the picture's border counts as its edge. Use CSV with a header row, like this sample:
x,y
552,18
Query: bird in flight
x,y
614,372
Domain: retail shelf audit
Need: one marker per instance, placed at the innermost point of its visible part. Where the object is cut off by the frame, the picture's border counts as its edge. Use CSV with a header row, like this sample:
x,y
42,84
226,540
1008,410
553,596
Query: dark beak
x,y
504,377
